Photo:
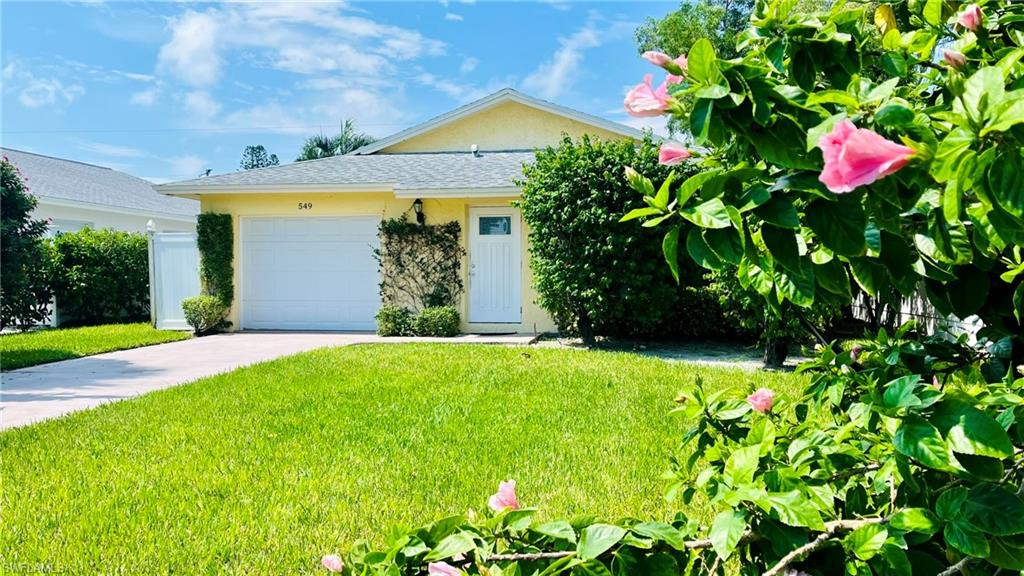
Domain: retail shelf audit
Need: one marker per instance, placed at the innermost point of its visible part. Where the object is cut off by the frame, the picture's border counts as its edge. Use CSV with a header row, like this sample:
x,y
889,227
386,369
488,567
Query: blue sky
x,y
165,90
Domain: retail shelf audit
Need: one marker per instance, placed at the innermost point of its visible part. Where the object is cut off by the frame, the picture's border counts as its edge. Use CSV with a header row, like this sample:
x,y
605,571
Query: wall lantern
x,y
417,207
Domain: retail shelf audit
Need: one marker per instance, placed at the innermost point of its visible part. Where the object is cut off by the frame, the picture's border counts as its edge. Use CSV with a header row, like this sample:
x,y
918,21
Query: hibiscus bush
x,y
878,146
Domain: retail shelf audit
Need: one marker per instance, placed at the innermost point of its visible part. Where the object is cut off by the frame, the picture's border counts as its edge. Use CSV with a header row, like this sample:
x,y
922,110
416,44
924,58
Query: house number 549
x,y
305,205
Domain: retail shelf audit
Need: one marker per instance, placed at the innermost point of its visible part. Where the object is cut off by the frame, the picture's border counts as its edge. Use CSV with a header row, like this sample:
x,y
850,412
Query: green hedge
x,y
205,314
216,240
100,276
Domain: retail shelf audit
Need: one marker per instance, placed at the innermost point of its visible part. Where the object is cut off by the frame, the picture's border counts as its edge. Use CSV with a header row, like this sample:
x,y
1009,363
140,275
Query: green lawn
x,y
42,346
262,470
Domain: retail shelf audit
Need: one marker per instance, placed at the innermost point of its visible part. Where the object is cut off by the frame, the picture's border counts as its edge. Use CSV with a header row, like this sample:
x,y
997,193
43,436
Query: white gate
x,y
173,276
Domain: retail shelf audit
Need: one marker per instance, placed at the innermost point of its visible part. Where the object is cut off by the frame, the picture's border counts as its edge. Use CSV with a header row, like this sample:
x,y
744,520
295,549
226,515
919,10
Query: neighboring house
x,y
304,232
73,195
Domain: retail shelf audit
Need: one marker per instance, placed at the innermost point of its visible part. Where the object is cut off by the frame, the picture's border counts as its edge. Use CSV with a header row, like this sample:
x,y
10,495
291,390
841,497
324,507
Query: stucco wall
x,y
104,219
507,126
384,205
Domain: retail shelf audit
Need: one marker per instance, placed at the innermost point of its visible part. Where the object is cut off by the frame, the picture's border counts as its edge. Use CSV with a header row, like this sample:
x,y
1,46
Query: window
x,y
495,225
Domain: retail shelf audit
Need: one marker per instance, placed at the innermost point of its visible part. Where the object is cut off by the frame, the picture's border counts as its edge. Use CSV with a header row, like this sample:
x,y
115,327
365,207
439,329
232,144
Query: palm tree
x,y
323,146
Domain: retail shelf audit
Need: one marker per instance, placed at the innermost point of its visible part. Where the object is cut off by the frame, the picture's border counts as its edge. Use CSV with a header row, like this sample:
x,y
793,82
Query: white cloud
x,y
453,17
328,57
145,97
188,166
556,76
469,64
36,91
560,5
200,104
112,150
191,54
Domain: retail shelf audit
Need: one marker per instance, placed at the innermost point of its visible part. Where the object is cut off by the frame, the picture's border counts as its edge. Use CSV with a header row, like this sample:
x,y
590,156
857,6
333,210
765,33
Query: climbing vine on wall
x,y
420,265
216,239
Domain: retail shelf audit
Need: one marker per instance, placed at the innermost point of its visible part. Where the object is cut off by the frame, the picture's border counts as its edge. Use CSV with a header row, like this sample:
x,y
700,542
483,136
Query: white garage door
x,y
309,273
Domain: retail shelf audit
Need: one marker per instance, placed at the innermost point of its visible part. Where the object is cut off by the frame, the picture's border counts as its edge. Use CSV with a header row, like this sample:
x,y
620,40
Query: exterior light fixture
x,y
417,207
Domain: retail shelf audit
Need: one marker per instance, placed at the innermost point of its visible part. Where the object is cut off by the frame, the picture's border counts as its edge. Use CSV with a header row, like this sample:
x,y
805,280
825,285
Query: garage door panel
x,y
310,273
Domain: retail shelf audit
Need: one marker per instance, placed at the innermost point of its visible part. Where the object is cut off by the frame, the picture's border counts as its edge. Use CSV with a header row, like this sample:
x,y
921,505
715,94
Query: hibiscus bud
x,y
762,400
855,352
656,58
857,157
332,562
442,569
644,101
971,17
954,59
505,497
672,153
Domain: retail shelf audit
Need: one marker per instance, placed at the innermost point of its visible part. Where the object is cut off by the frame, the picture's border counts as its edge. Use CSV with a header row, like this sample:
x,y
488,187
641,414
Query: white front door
x,y
494,266
315,273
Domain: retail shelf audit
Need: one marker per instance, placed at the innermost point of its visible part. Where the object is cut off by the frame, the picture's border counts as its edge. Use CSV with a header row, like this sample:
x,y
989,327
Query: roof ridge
x,y
59,158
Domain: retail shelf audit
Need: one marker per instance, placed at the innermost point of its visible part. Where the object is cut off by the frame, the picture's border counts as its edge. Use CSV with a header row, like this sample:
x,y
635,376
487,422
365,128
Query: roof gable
x,y
429,137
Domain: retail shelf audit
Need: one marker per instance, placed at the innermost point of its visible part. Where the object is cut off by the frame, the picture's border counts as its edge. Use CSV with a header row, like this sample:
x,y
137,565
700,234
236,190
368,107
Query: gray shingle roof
x,y
60,179
433,171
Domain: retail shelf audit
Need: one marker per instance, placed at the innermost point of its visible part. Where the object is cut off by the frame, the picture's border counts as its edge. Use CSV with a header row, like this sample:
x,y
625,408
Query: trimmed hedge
x,y
394,321
100,276
442,321
205,314
215,237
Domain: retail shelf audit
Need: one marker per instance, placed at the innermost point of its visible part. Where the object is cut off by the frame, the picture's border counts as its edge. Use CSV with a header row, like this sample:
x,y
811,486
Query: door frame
x,y
517,257
240,255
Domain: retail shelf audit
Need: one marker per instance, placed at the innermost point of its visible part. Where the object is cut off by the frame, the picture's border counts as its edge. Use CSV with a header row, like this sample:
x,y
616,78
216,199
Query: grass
x,y
43,346
262,470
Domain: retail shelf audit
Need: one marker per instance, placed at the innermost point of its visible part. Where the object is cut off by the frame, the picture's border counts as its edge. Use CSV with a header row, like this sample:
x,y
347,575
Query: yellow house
x,y
305,232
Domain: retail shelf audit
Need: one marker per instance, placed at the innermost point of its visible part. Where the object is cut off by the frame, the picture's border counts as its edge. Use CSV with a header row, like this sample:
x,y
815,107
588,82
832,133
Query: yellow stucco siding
x,y
507,126
384,205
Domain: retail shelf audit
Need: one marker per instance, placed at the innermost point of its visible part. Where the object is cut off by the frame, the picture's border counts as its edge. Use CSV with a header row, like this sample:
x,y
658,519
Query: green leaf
x,y
692,184
670,248
832,276
994,510
983,89
1006,115
558,529
710,214
775,144
797,286
726,531
458,543
663,532
727,243
839,225
866,541
900,392
1006,554
596,539
870,276
915,520
779,211
661,198
702,63
894,115
933,12
950,503
1006,182
591,568
782,245
742,464
700,252
794,509
640,213
700,119
966,538
917,439
841,97
971,431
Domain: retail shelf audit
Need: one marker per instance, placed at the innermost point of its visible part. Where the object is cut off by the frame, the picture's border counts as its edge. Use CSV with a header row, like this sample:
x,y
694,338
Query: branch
x,y
854,472
955,568
831,528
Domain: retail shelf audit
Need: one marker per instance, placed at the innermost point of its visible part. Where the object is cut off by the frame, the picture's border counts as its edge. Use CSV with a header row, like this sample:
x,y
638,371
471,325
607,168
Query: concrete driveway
x,y
50,390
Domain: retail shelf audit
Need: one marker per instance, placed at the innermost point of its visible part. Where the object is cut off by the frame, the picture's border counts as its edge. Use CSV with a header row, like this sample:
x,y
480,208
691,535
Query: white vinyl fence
x,y
173,276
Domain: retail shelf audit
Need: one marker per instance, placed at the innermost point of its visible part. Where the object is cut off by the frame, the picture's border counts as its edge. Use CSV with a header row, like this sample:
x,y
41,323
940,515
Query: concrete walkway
x,y
50,390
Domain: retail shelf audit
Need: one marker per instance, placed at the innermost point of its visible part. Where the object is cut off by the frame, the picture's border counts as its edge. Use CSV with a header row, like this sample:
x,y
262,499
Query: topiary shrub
x,y
205,314
593,274
394,321
215,238
441,321
100,276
